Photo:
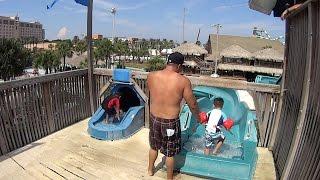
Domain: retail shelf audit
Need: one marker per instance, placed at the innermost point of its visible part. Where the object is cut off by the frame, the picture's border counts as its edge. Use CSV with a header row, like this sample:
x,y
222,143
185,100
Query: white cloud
x,y
63,32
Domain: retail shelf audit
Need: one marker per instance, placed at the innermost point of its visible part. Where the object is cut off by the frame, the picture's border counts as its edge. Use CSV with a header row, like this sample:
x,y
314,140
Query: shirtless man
x,y
167,89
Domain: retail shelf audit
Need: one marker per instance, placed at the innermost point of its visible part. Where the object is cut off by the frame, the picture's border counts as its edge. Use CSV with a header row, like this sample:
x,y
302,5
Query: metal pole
x,y
216,63
90,58
218,26
184,15
113,11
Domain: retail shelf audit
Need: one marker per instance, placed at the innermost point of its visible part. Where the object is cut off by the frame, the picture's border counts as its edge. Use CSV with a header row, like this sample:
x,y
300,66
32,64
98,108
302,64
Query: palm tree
x,y
13,58
56,60
80,47
65,50
145,52
50,46
104,49
134,53
97,56
47,60
155,64
120,48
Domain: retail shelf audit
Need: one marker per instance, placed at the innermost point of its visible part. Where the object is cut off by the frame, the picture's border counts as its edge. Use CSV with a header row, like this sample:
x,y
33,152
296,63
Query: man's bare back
x,y
167,88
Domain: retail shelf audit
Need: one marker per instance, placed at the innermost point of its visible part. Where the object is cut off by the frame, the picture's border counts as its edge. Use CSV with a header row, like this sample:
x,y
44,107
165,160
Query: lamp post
x,y
113,12
184,19
215,75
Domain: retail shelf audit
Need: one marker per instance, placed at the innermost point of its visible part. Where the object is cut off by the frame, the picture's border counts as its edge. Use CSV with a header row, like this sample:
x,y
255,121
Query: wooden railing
x,y
36,107
297,143
33,108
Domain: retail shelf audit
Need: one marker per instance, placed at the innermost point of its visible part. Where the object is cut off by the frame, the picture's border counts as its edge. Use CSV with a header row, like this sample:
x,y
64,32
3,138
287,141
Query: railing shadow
x,y
19,151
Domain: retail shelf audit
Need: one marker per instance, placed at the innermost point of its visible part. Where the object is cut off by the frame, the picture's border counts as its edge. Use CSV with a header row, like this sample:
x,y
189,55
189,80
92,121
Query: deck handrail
x,y
41,79
35,107
208,81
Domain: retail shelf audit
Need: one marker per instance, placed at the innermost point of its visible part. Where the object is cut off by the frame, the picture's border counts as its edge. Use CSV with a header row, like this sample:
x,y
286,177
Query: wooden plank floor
x,y
72,154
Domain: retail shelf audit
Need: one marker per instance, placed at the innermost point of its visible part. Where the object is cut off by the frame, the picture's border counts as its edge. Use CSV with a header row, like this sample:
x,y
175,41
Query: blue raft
x,y
132,103
238,155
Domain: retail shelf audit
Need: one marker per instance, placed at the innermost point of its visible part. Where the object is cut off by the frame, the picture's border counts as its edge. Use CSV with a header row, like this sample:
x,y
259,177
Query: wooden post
x,y
48,106
87,92
90,58
282,91
304,99
4,148
147,106
145,98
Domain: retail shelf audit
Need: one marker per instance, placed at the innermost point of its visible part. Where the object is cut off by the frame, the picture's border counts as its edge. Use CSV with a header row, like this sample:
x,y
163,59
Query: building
x,y
251,44
97,37
246,57
43,46
12,27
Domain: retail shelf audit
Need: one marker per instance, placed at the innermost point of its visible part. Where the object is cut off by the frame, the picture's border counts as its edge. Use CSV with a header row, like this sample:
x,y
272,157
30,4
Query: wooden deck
x,y
72,154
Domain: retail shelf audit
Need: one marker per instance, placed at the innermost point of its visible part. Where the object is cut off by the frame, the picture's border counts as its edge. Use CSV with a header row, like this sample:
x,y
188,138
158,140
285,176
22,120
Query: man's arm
x,y
191,100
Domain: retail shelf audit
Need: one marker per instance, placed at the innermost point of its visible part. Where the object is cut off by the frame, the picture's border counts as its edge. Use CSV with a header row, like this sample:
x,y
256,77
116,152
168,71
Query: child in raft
x,y
213,134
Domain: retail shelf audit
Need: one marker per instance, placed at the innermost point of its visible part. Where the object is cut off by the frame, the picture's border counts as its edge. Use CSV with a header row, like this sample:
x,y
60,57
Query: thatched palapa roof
x,y
268,54
235,51
213,57
251,44
232,67
190,49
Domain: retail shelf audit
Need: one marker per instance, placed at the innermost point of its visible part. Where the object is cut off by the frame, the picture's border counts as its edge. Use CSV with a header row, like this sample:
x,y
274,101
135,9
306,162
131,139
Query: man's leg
x,y
170,165
153,154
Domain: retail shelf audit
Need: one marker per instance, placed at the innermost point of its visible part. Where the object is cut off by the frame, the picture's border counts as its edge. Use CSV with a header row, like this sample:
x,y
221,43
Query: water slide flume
x,y
132,103
238,155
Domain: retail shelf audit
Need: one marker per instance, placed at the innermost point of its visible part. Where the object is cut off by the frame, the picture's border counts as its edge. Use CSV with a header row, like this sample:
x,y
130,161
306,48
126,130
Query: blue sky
x,y
145,18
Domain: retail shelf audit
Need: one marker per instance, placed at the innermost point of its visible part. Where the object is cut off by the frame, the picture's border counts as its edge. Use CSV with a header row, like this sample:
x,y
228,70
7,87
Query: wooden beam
x,y
41,79
92,92
300,9
146,105
279,108
104,88
208,81
234,84
48,106
140,91
305,97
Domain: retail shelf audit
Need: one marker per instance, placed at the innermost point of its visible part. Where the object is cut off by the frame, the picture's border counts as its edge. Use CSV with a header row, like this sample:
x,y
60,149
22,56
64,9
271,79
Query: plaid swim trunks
x,y
165,135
